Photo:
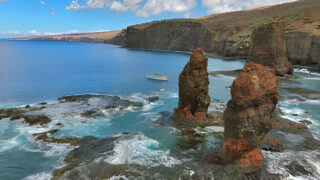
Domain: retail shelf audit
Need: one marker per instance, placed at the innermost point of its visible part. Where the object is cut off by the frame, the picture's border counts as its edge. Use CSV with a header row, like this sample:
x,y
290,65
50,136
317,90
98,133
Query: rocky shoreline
x,y
293,153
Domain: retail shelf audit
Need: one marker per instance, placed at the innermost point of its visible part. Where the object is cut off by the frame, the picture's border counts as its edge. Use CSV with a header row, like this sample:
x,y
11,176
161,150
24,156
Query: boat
x,y
157,77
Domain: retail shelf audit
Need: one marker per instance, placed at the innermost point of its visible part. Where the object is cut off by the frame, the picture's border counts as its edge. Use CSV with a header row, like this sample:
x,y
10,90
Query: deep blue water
x,y
35,71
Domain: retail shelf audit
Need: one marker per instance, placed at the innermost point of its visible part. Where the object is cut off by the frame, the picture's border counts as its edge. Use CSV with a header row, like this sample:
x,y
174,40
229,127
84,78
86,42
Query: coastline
x,y
208,54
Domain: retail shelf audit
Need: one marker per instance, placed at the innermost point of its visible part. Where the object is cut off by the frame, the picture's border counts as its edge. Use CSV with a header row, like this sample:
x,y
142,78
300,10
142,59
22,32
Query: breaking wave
x,y
292,165
309,75
141,150
306,71
39,176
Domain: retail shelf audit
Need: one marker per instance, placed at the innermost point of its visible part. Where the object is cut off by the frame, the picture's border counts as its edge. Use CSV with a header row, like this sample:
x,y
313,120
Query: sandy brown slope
x,y
94,37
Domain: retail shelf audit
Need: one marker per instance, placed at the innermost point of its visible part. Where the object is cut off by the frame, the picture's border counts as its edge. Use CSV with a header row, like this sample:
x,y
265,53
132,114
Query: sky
x,y
20,18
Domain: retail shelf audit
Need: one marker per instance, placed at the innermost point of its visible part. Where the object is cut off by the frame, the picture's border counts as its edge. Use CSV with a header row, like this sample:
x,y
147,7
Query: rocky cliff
x,y
229,34
194,96
268,47
177,35
248,115
304,48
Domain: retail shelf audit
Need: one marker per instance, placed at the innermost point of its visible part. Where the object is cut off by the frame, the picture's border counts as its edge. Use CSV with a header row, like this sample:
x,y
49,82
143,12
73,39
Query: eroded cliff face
x,y
268,47
177,35
303,48
184,35
229,34
248,116
194,98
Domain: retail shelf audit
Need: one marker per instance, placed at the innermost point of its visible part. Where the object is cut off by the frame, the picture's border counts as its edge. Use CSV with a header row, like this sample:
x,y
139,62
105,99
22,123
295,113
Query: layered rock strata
x,y
248,115
194,96
268,47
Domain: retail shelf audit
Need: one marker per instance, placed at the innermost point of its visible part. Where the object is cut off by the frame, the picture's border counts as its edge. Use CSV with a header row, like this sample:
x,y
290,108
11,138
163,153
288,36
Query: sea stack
x,y
194,96
247,118
268,47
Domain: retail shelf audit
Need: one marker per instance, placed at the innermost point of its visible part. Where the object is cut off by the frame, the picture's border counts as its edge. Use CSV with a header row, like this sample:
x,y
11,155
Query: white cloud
x,y
155,7
141,7
219,6
58,33
3,0
34,32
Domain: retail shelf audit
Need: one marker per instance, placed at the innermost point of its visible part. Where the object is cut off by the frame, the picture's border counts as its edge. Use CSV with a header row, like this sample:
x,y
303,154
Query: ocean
x,y
32,72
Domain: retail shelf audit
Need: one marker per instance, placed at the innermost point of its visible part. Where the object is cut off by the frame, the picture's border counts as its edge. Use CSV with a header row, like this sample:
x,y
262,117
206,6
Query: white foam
x,y
215,128
48,149
142,151
173,95
9,143
153,116
39,176
276,163
217,106
225,77
316,102
118,178
306,71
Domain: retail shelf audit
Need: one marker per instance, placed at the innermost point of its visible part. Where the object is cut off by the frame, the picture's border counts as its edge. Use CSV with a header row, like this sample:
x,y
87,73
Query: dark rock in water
x,y
44,136
165,118
232,73
110,107
7,113
297,169
89,161
60,124
75,98
194,98
190,139
293,139
90,113
114,101
306,122
36,119
20,113
152,98
105,101
27,106
271,144
248,115
85,105
288,126
268,47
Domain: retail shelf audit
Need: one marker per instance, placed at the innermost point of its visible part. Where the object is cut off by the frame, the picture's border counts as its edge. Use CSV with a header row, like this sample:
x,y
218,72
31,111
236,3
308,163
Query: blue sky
x,y
39,17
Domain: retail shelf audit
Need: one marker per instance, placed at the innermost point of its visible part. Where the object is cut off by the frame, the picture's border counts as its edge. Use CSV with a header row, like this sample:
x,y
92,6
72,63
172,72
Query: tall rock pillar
x,y
194,96
247,118
268,47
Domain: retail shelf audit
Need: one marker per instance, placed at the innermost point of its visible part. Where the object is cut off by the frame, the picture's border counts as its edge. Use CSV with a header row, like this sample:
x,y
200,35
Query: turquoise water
x,y
32,72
